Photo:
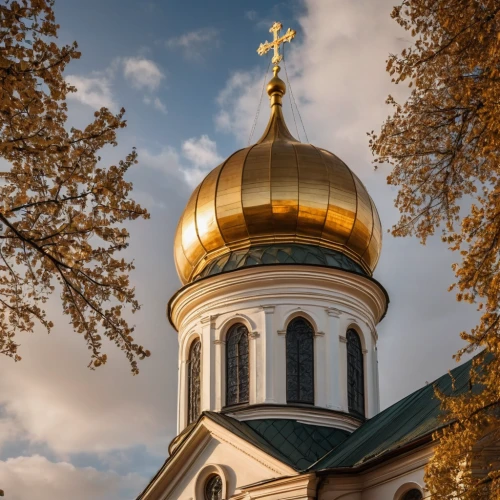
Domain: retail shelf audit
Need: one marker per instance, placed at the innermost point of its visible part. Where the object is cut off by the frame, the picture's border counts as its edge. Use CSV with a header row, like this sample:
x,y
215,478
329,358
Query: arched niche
x,y
407,487
204,475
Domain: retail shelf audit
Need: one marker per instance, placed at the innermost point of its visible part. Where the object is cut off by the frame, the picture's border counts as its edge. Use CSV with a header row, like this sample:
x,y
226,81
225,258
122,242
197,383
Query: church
x,y
278,390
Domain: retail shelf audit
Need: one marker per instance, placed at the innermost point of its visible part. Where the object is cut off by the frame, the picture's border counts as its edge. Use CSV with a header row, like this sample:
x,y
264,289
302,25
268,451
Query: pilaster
x,y
208,368
333,365
182,395
267,346
220,374
342,345
253,341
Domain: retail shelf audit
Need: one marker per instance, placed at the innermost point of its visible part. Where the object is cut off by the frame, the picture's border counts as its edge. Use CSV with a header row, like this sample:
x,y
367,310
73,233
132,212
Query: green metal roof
x,y
406,421
290,253
302,444
294,443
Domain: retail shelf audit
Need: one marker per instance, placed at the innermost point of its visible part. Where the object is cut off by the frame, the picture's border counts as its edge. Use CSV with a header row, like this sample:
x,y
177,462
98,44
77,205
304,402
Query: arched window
x,y
355,377
412,494
237,373
194,381
213,488
300,362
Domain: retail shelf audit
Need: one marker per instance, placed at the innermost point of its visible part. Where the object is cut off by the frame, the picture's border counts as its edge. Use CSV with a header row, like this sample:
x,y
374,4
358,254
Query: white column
x,y
368,382
333,365
268,355
208,368
343,372
280,364
320,369
377,387
253,347
220,374
181,395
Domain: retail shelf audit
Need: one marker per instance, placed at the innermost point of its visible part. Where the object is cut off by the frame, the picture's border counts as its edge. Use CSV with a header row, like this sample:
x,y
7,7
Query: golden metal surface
x,y
277,191
264,48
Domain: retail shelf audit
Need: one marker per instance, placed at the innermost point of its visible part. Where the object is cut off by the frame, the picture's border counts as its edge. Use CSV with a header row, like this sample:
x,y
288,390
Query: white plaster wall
x,y
386,482
265,300
239,467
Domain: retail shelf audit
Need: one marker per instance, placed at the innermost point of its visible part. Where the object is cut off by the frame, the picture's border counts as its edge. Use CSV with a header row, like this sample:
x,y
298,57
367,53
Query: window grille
x,y
355,376
194,381
237,365
300,362
213,488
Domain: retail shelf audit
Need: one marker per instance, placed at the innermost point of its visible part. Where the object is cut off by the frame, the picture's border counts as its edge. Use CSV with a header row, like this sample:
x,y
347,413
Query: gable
x,y
211,448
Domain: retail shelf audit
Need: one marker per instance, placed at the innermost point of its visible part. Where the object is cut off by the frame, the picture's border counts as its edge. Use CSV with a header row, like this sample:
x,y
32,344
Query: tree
x,y
444,147
61,211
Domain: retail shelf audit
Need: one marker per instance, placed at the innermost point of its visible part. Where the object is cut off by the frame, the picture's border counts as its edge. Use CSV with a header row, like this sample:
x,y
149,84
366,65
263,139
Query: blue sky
x,y
189,77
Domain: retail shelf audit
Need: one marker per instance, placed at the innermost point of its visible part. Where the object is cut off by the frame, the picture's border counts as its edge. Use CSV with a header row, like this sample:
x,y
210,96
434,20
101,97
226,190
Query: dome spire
x,y
276,87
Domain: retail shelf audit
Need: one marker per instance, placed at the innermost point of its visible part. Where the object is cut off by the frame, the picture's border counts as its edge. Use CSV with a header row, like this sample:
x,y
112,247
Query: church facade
x,y
278,391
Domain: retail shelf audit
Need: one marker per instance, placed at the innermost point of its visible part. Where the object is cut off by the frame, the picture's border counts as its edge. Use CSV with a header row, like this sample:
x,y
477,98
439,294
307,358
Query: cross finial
x,y
264,48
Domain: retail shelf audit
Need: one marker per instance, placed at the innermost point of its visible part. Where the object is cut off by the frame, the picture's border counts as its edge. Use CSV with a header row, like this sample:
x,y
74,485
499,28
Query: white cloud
x,y
195,43
156,103
37,478
203,157
200,153
238,103
166,161
94,91
142,73
251,15
159,105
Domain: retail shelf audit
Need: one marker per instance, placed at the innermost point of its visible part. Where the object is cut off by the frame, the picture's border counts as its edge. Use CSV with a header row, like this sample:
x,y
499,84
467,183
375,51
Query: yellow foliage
x,y
443,144
61,213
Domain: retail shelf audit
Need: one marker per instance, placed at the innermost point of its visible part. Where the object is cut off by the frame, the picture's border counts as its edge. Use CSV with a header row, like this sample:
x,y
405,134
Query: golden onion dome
x,y
279,197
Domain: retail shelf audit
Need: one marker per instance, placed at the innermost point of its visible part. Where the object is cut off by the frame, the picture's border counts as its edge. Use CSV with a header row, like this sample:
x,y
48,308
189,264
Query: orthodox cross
x,y
264,48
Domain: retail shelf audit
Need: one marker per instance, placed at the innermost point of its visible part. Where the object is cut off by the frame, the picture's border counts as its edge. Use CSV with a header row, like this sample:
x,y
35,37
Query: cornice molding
x,y
361,295
311,416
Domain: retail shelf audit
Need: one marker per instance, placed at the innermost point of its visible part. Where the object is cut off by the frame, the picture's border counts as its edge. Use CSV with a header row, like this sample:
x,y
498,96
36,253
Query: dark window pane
x,y
237,365
355,377
413,494
213,488
300,362
194,381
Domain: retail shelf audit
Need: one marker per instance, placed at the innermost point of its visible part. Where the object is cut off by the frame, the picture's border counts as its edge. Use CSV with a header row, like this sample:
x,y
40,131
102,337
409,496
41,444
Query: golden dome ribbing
x,y
277,191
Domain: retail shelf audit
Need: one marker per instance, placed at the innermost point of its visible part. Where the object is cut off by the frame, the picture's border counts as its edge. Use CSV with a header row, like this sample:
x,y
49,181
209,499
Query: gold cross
x,y
264,48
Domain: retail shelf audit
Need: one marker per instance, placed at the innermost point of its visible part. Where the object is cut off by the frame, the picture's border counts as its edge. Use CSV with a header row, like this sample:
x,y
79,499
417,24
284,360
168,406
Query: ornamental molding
x,y
209,319
364,351
281,332
308,416
268,309
246,289
319,334
254,335
343,339
219,342
251,453
332,312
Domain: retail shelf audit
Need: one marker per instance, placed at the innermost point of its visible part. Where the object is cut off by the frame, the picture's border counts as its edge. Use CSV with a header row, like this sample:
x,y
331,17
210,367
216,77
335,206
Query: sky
x,y
188,74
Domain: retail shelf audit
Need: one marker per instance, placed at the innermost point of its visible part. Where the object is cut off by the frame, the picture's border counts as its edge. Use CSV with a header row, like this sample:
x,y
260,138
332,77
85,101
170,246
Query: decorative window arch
x,y
413,494
300,361
355,374
237,365
213,488
194,381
